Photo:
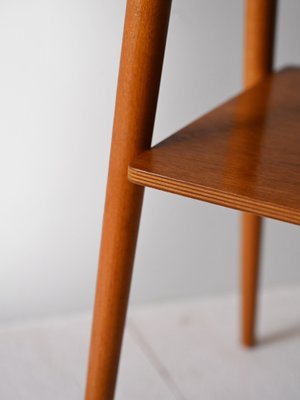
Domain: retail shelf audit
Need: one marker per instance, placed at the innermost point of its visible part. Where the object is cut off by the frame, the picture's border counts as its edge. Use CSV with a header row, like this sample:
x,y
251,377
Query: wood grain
x,y
244,155
144,38
260,21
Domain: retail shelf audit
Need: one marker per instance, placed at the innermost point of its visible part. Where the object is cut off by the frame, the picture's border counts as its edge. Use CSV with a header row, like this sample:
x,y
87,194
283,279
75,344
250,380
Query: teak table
x,y
244,155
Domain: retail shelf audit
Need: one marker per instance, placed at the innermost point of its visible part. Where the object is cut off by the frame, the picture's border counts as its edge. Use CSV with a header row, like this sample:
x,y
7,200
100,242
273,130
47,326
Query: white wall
x,y
58,71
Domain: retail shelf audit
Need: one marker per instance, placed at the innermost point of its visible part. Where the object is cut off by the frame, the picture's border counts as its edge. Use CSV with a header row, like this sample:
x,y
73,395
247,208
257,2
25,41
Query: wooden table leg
x,y
259,46
146,25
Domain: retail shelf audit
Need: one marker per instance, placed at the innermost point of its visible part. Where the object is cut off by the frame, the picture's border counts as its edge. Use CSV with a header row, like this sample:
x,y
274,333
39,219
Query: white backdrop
x,y
58,71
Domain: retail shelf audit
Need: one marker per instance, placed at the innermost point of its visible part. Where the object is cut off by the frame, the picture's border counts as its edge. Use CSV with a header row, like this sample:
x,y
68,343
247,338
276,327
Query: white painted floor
x,y
185,350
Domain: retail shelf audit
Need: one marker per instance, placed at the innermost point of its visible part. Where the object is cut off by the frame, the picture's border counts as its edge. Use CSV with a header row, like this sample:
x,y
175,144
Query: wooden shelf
x,y
244,155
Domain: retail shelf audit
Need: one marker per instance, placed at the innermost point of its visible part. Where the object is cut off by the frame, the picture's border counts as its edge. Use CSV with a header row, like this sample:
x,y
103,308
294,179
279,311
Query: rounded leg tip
x,y
248,341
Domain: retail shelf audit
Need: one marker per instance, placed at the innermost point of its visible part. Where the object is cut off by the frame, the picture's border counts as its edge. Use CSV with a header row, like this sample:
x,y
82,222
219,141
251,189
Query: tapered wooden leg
x,y
259,46
145,32
251,236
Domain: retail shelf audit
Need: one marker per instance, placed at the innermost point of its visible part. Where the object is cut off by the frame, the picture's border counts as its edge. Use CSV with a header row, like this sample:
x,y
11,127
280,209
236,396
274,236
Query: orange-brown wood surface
x,y
244,155
145,32
260,22
250,265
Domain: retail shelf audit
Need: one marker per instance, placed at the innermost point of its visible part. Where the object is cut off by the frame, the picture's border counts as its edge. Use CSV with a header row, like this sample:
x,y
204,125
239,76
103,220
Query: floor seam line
x,y
154,360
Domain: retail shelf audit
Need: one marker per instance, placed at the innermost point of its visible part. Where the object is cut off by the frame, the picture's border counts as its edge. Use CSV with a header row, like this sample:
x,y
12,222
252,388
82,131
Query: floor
x,y
183,350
